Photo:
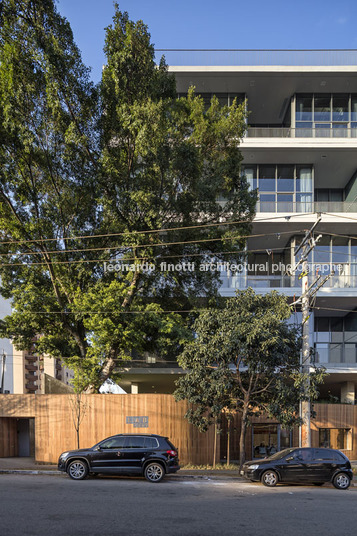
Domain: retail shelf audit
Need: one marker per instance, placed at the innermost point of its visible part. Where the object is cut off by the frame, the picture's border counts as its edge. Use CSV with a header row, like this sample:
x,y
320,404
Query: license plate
x,y
242,472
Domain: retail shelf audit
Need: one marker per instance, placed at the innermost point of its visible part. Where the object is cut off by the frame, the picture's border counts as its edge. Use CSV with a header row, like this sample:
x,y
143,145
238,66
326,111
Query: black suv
x,y
125,454
305,465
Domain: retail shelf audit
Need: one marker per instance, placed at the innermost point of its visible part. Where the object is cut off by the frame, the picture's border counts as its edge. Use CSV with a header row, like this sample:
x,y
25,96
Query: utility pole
x,y
307,293
3,371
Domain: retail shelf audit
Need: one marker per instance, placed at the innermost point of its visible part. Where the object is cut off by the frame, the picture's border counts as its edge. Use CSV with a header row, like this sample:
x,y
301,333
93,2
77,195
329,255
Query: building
x,y
24,372
300,152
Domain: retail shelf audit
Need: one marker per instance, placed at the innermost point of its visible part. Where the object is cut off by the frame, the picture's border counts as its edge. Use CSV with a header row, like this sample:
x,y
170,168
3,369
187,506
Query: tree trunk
x,y
243,431
215,444
105,373
228,442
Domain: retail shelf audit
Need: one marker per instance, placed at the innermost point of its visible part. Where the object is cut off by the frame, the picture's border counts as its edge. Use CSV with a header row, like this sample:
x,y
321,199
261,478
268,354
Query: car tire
x,y
270,478
341,481
154,472
77,470
318,483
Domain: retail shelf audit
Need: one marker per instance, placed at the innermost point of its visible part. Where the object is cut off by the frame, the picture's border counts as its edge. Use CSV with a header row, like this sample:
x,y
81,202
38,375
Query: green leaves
x,y
245,357
120,163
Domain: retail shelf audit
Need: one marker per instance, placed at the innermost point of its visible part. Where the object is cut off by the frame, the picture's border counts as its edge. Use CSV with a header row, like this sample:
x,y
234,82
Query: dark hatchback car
x,y
305,465
151,456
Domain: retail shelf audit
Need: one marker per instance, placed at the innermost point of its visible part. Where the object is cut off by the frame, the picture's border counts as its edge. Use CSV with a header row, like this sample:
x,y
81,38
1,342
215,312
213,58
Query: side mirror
x,y
289,459
97,448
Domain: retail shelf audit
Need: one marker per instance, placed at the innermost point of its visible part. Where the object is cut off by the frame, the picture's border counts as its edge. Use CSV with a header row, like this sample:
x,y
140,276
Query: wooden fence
x,y
107,415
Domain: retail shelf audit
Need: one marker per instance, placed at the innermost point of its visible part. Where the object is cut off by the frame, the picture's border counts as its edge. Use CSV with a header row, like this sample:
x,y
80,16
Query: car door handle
x,y
118,453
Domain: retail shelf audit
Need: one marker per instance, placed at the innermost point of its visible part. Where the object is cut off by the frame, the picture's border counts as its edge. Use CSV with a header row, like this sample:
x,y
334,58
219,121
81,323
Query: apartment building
x,y
25,372
300,153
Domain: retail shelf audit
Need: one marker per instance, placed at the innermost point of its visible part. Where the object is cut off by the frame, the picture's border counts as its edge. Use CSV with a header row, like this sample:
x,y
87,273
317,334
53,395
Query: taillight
x,y
171,453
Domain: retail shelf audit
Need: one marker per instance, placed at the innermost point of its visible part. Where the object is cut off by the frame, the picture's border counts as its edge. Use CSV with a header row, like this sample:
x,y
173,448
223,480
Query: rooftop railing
x,y
250,57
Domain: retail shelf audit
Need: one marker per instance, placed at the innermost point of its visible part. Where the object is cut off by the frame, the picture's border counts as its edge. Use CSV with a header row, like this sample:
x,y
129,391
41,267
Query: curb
x,y
28,472
174,477
178,477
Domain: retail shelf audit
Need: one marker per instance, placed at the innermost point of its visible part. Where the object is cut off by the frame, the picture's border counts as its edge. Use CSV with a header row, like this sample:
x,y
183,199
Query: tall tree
x,y
122,164
255,355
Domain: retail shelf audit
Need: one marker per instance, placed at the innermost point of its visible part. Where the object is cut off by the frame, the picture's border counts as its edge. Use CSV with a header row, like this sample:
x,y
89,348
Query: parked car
x,y
125,454
295,465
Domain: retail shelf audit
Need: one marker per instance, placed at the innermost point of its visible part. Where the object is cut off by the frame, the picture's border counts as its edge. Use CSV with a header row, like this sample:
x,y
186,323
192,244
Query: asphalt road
x,y
43,505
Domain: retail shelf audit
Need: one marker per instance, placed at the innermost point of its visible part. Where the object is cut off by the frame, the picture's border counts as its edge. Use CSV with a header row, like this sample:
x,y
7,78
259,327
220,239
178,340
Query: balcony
x,y
288,132
32,377
31,358
31,387
241,281
306,207
31,368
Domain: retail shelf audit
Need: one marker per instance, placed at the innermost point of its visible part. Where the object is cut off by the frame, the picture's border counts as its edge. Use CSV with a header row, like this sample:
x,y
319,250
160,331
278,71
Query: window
x,y
285,179
152,443
325,115
304,108
114,443
303,455
282,187
336,438
322,107
267,179
323,454
354,108
135,442
250,172
340,108
141,442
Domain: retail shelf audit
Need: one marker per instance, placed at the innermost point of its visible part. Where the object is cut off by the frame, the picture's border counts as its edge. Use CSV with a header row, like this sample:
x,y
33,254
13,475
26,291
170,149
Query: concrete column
x,y
348,393
134,388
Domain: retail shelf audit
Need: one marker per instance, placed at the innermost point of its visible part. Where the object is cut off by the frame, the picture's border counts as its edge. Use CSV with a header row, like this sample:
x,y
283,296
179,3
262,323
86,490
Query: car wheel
x,y
341,481
77,470
318,483
154,472
270,479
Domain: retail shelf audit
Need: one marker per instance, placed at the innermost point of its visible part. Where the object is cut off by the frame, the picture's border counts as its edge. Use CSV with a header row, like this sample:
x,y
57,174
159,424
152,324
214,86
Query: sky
x,y
232,24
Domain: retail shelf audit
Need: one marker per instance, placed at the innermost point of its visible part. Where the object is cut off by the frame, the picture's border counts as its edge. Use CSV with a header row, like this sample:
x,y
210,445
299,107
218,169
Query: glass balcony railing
x,y
305,207
287,132
242,281
241,57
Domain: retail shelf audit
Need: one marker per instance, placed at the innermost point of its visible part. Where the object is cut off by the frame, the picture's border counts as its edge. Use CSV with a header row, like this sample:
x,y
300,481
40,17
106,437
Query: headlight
x,y
253,467
64,454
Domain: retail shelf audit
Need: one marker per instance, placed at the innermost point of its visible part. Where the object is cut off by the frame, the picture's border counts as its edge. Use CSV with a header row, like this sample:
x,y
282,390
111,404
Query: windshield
x,y
280,454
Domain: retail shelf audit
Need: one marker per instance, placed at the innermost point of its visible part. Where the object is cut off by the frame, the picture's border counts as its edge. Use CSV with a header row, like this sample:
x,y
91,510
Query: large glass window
x,y
267,179
285,180
326,115
335,438
250,173
304,108
336,339
282,187
340,107
322,107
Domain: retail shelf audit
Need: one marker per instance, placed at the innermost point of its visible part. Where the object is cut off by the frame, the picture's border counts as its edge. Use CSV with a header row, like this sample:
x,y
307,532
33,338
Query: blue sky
x,y
213,24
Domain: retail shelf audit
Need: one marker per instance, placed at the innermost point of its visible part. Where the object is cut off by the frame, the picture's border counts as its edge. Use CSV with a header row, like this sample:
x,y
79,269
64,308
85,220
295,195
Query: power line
x,y
334,309
150,259
161,230
137,246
